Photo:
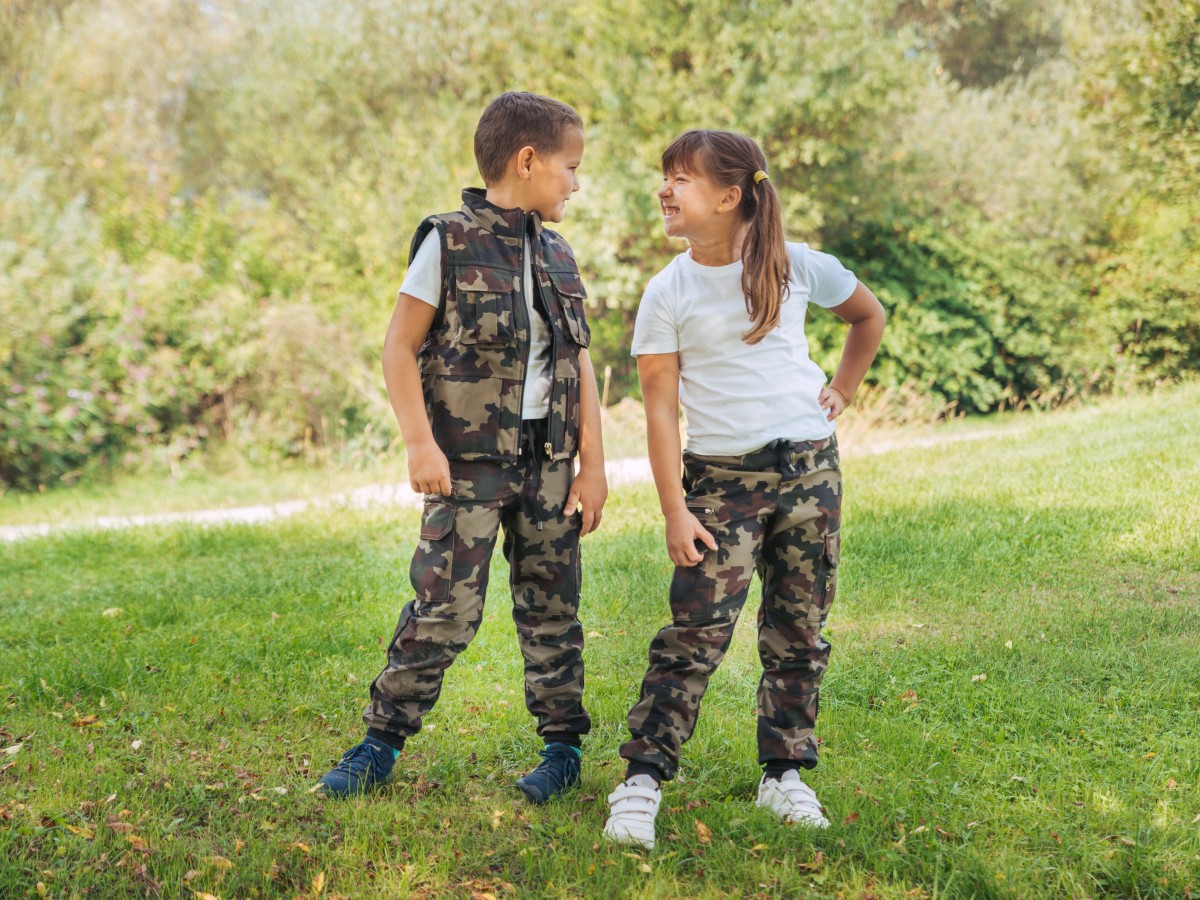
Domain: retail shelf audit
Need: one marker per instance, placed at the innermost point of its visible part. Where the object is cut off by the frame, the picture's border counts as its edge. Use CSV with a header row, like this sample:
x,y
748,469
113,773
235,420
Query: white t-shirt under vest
x,y
424,281
738,396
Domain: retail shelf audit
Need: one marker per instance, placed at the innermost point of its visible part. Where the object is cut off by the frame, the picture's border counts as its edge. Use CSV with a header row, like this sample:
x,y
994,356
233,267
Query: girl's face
x,y
694,206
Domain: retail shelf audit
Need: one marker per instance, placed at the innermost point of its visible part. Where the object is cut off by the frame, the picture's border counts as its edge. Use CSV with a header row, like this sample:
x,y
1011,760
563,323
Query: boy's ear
x,y
524,161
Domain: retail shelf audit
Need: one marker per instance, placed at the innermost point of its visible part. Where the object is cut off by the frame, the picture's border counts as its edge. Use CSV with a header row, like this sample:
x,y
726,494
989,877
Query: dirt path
x,y
620,472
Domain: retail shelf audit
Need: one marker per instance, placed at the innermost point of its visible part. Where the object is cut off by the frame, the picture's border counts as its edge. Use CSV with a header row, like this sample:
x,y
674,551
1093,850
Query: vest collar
x,y
504,223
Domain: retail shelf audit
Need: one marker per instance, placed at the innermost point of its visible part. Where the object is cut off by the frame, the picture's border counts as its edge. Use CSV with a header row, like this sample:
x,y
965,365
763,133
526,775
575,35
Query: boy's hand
x,y
683,531
429,470
589,490
831,401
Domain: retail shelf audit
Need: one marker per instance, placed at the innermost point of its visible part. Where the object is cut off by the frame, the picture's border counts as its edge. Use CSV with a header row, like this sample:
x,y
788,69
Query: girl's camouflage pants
x,y
449,576
776,511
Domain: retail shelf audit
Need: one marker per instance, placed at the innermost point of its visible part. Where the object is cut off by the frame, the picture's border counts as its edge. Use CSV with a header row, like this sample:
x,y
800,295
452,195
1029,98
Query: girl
x,y
721,330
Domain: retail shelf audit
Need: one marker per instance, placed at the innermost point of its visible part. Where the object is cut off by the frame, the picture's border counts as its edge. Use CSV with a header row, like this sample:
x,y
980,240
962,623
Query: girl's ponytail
x,y
731,159
765,264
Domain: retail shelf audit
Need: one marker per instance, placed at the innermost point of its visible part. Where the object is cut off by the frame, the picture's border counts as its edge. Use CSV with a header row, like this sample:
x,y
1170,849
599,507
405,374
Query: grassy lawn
x,y
170,745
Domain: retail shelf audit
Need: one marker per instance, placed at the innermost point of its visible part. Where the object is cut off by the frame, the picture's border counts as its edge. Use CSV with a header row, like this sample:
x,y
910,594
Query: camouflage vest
x,y
473,362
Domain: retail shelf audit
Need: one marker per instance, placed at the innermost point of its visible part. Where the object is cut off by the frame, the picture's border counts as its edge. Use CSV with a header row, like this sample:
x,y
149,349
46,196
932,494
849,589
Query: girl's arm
x,y
659,376
866,317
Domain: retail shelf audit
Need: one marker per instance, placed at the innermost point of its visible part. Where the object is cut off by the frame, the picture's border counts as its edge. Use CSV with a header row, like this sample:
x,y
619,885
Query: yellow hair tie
x,y
760,175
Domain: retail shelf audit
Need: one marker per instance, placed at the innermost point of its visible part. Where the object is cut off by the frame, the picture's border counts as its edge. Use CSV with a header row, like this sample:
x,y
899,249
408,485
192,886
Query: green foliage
x,y
985,329
982,42
204,237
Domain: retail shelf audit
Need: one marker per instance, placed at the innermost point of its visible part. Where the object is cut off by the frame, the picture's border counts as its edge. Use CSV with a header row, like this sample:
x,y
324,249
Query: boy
x,y
487,369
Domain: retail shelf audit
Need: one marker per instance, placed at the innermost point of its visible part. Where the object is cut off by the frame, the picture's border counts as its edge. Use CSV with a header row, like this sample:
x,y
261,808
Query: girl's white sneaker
x,y
792,800
632,808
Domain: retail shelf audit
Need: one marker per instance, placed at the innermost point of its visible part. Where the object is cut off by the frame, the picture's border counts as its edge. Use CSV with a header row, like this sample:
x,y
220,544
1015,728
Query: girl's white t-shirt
x,y
739,397
424,281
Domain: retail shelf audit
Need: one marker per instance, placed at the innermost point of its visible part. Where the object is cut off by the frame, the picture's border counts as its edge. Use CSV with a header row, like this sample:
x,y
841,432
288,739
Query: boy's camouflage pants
x,y
776,511
450,575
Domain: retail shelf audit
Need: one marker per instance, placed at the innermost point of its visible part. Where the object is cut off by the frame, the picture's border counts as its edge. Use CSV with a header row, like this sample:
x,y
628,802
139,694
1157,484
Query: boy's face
x,y
552,178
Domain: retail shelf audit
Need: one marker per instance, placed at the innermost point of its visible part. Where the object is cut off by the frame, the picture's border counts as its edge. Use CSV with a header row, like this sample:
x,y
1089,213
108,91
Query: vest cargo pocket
x,y
569,288
825,580
474,418
485,315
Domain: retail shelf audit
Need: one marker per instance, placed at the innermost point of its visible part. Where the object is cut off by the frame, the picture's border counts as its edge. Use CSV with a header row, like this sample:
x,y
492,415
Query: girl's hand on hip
x,y
832,403
684,531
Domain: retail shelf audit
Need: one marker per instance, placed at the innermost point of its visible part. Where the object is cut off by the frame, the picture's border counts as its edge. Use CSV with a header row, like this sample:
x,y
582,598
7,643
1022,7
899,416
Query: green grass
x,y
1059,555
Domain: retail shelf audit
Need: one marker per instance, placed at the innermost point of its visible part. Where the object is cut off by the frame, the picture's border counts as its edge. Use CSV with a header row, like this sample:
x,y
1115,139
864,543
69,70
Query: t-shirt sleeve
x,y
654,330
424,277
829,282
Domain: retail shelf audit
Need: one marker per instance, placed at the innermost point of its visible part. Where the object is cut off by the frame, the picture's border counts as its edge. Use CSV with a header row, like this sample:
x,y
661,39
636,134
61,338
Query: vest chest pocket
x,y
568,286
484,300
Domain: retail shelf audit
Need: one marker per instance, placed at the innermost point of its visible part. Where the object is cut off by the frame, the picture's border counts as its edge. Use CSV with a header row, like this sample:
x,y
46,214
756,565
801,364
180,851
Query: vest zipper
x,y
524,305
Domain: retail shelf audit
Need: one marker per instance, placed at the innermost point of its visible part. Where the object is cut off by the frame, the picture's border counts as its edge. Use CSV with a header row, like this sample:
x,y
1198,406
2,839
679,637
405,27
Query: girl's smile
x,y
692,206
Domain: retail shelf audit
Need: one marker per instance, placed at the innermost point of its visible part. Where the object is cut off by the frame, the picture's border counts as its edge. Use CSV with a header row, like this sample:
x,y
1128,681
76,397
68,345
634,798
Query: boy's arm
x,y
428,468
659,376
590,487
866,317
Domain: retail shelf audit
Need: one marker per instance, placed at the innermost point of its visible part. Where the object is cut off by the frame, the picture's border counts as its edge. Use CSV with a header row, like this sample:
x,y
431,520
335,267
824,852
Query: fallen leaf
x,y
703,832
86,721
86,833
817,862
219,861
112,612
318,884
645,867
303,848
136,745
1172,784
982,676
191,875
14,749
120,827
850,819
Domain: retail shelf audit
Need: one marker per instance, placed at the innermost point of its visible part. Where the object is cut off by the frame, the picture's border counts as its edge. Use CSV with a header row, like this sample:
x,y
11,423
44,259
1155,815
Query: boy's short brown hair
x,y
519,119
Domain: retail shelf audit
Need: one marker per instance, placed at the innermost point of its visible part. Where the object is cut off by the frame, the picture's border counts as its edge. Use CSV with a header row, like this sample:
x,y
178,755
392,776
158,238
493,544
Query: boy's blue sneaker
x,y
558,771
363,767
